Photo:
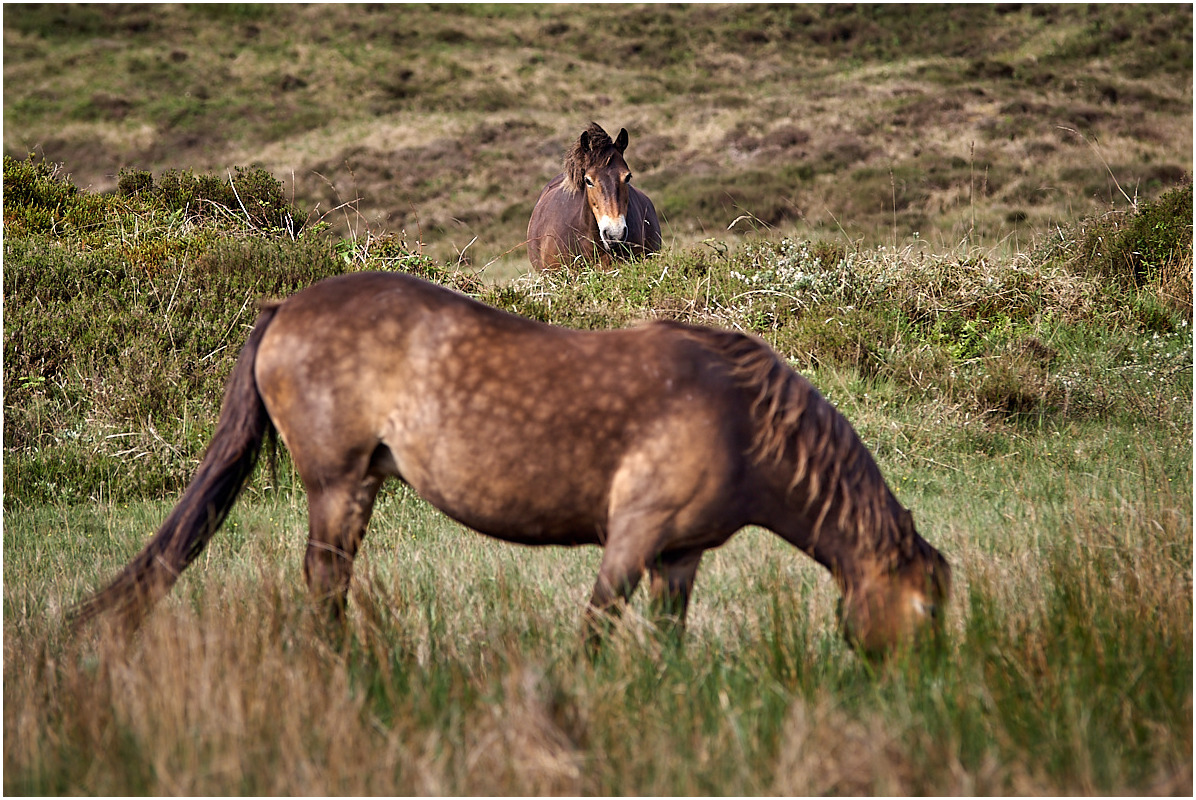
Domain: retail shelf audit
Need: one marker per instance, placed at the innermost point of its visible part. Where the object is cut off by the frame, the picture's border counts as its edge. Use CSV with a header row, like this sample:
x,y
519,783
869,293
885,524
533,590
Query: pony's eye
x,y
589,182
627,178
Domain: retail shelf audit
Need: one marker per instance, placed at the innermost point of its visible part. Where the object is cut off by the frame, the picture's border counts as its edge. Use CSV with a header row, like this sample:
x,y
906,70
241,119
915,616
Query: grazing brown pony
x,y
656,442
592,208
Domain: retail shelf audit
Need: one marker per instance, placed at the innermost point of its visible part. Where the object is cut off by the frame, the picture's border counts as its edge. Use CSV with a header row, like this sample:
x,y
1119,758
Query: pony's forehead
x,y
600,153
598,159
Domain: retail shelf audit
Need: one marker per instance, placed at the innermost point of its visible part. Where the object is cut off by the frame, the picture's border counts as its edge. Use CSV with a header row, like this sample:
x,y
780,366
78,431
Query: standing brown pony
x,y
592,208
657,443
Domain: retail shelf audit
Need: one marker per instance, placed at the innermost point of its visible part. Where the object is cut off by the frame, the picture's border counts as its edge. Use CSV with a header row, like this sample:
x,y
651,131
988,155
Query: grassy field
x,y
1021,369
1033,411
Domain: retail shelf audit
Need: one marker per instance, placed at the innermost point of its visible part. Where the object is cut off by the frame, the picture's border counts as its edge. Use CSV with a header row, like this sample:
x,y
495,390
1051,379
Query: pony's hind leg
x,y
672,581
337,518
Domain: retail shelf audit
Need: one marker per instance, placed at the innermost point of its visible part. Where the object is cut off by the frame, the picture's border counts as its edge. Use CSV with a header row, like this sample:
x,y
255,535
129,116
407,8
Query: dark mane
x,y
599,154
794,422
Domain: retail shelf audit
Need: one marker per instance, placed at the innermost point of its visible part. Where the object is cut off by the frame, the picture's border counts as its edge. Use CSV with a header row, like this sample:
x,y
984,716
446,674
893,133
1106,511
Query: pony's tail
x,y
223,473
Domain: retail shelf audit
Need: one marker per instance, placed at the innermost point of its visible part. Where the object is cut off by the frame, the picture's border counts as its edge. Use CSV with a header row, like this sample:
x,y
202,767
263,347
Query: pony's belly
x,y
525,517
502,500
536,532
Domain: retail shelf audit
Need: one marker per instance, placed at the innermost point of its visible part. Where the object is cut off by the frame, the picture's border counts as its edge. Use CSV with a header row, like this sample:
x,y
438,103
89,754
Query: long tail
x,y
223,473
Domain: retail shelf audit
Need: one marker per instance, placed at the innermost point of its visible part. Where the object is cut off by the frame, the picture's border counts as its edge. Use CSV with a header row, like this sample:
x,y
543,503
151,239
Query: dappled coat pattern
x,y
656,442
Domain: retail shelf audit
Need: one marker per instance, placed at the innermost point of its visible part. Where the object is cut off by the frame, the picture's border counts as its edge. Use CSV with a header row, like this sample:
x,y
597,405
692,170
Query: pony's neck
x,y
568,184
837,509
819,535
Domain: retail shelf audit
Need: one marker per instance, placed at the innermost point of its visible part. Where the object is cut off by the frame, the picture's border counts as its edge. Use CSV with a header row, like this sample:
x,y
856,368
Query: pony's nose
x,y
612,229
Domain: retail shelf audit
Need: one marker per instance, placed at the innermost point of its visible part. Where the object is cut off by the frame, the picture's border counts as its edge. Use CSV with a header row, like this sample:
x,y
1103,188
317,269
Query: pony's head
x,y
595,164
901,601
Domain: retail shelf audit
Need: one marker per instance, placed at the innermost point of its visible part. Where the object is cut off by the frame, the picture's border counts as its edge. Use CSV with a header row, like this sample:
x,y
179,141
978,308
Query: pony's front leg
x,y
337,519
672,582
622,567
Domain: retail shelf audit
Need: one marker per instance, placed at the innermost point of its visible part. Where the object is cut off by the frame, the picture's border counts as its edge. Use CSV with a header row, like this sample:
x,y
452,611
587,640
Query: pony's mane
x,y
793,421
577,160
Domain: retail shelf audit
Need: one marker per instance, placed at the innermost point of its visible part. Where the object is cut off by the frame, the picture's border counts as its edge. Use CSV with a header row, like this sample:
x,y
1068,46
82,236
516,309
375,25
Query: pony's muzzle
x,y
925,609
612,230
877,622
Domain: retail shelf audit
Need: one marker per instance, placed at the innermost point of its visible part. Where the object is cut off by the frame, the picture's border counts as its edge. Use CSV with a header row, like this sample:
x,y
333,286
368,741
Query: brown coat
x,y
591,211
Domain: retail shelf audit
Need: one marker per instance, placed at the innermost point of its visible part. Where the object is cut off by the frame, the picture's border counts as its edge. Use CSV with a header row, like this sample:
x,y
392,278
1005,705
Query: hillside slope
x,y
863,123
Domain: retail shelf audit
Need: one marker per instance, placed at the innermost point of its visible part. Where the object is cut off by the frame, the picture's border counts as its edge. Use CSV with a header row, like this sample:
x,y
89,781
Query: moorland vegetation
x,y
1035,411
1030,401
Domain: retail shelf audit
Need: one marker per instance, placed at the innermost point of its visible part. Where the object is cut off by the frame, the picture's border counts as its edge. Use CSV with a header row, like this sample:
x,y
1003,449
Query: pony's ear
x,y
621,140
584,142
